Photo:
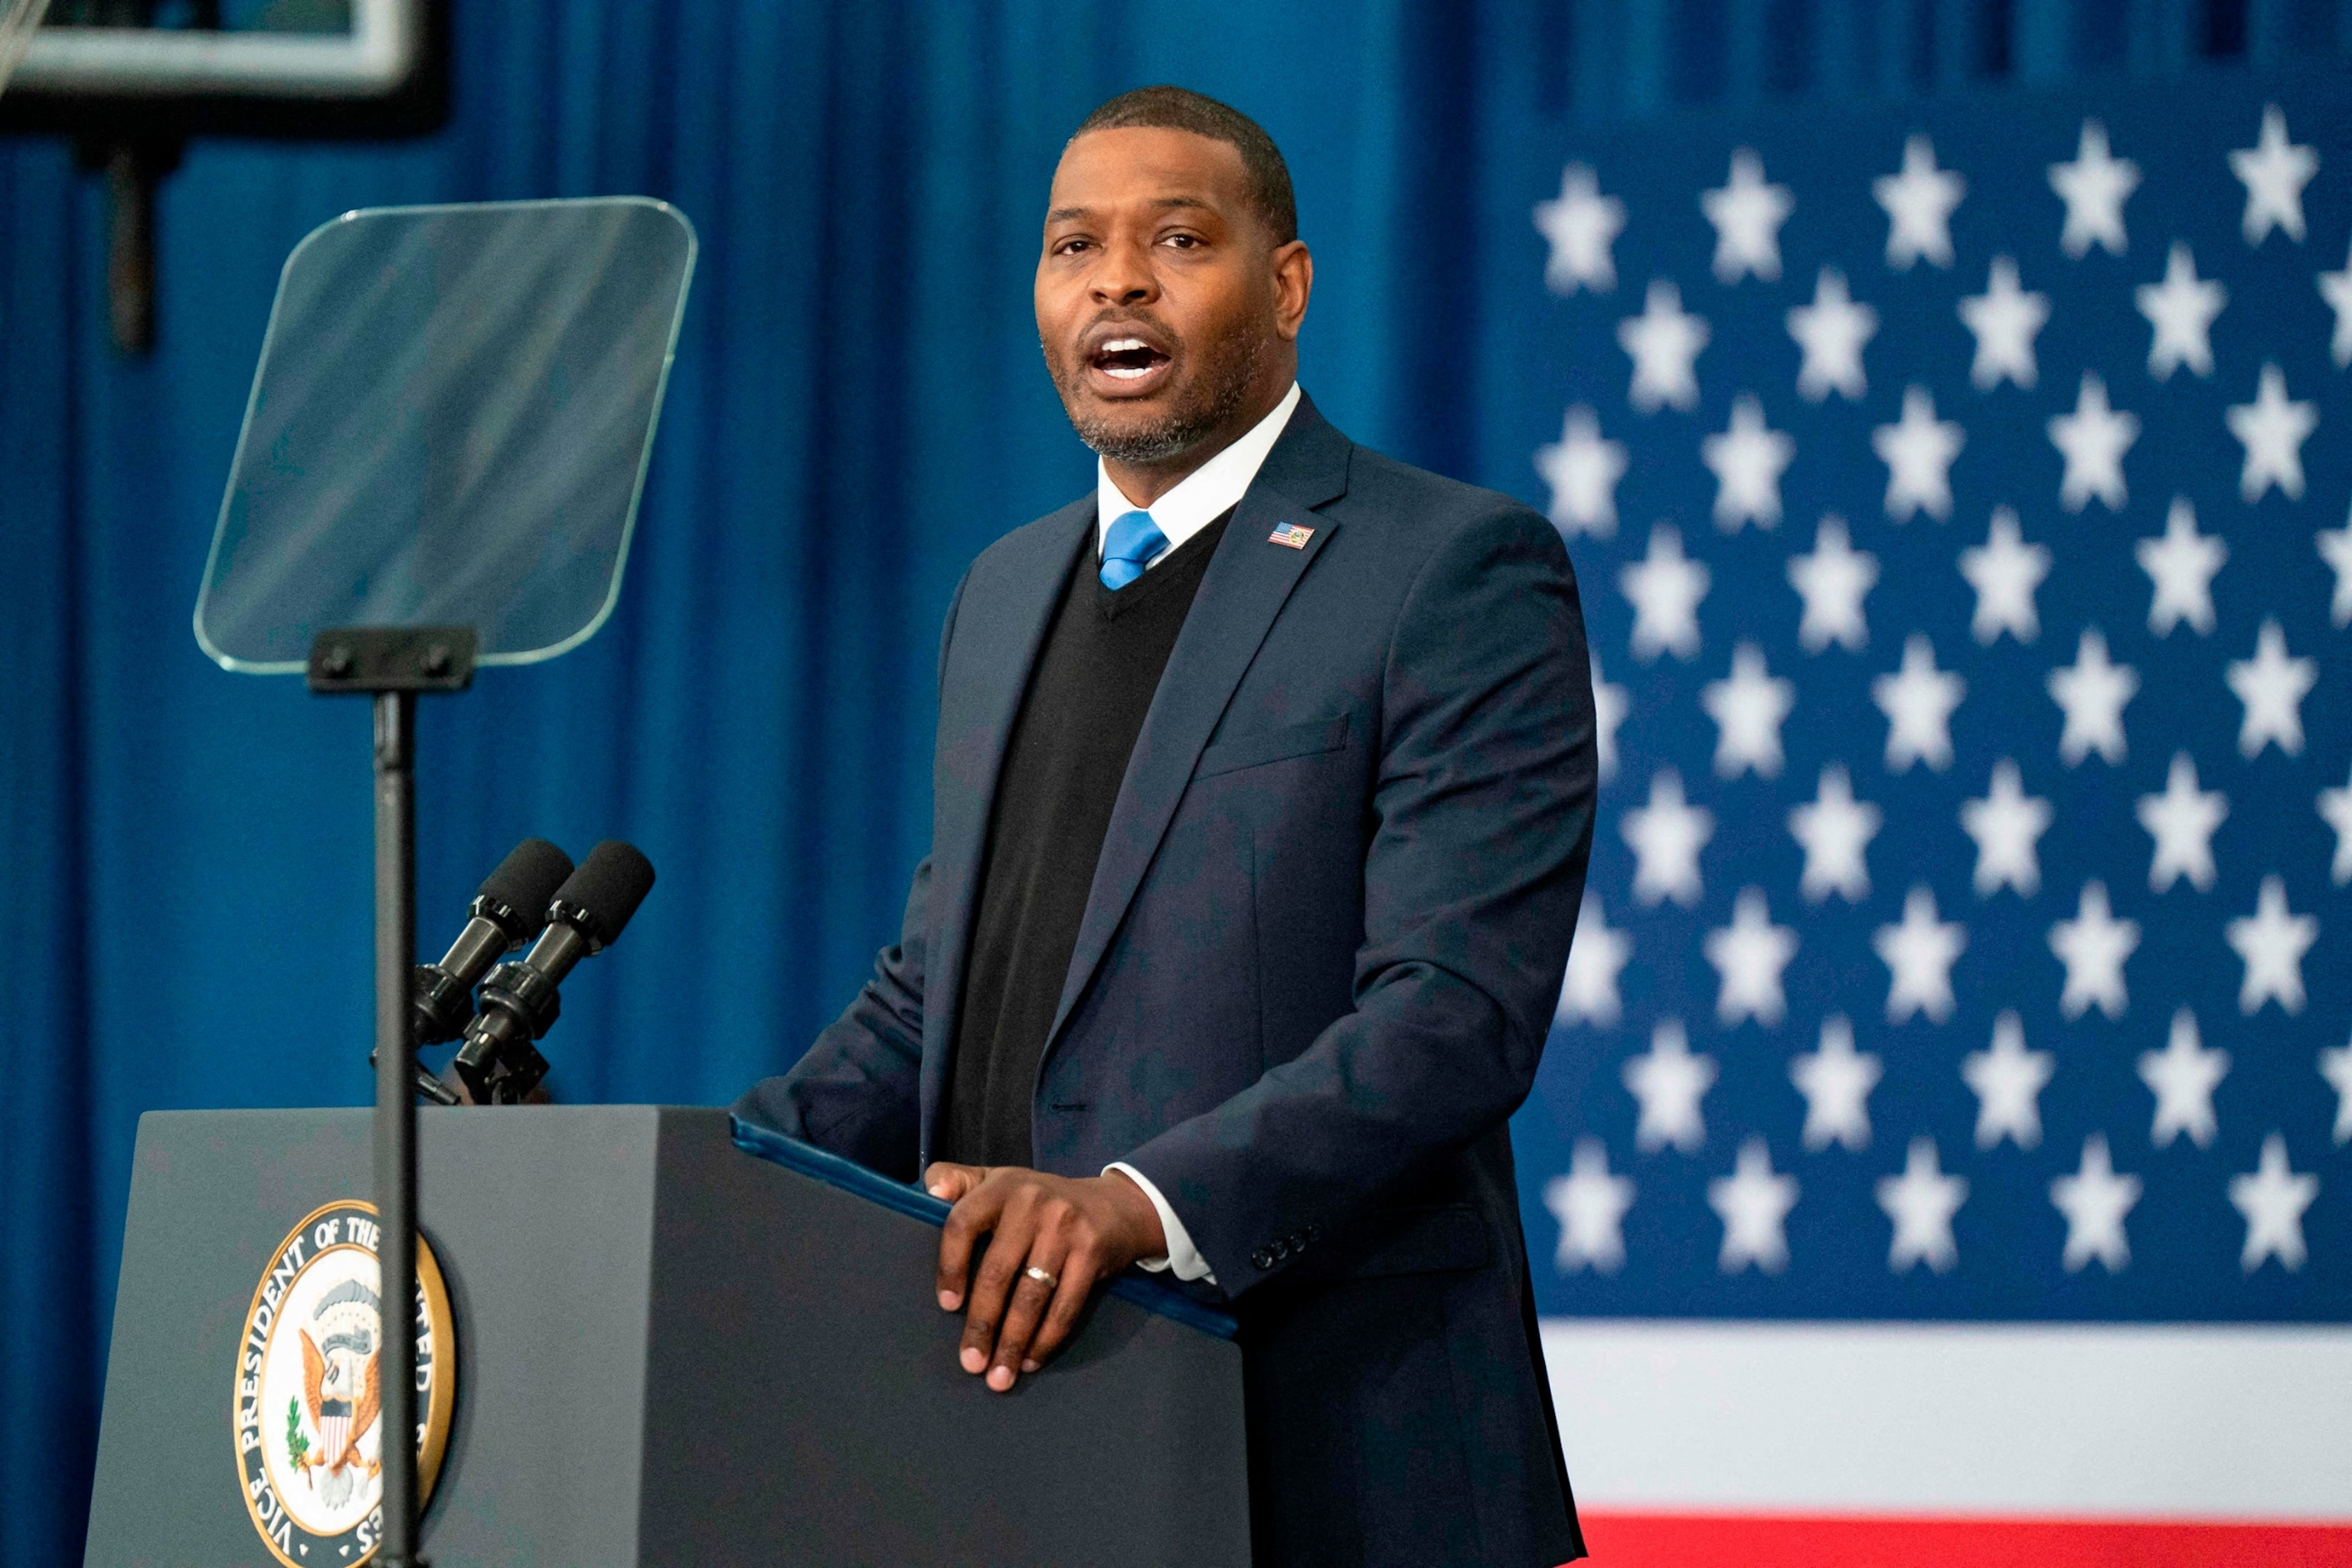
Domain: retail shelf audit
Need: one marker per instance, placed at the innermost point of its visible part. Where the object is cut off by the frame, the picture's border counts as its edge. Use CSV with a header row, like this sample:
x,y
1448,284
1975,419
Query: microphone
x,y
506,913
499,1064
508,910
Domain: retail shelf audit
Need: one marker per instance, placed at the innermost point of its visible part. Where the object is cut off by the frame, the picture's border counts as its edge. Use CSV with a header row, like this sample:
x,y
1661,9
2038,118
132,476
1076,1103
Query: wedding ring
x,y
1044,1277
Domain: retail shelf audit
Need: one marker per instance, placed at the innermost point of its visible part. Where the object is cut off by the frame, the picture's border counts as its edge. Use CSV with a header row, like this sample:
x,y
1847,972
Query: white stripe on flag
x,y
2090,1421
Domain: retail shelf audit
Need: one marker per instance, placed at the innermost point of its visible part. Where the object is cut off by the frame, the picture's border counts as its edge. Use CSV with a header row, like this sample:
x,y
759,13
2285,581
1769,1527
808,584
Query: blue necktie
x,y
1129,546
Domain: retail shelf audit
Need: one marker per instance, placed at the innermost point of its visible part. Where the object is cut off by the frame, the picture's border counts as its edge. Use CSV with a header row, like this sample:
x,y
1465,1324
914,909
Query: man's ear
x,y
1294,280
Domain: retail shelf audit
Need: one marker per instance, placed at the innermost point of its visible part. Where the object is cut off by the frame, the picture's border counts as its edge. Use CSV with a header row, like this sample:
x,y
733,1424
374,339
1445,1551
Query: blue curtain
x,y
857,407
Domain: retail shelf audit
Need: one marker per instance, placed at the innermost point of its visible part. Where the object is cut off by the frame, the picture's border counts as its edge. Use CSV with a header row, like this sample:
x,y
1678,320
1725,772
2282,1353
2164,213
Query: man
x,y
1262,792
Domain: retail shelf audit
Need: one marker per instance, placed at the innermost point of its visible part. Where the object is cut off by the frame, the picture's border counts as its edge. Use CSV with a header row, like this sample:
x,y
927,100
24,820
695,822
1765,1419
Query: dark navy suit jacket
x,y
1314,977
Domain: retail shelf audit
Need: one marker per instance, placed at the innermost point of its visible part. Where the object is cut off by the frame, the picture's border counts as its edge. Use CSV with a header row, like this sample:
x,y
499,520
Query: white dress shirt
x,y
1202,497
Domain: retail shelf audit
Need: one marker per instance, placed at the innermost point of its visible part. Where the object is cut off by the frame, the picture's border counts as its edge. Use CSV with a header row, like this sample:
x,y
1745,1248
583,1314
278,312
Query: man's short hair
x,y
1181,109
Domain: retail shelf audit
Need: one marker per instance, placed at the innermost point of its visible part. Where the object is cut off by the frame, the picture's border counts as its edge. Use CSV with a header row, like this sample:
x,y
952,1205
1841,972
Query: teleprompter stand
x,y
393,665
506,362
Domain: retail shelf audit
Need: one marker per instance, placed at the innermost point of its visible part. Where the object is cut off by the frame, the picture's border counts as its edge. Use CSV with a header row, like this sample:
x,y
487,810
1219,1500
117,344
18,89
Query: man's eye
x,y
1184,241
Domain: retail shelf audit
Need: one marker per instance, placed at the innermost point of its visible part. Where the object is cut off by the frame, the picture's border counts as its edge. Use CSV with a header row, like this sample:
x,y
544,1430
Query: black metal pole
x,y
395,1114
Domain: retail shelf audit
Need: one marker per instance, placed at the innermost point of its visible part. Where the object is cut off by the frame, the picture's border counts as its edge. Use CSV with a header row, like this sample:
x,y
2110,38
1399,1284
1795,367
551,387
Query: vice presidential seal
x,y
309,1392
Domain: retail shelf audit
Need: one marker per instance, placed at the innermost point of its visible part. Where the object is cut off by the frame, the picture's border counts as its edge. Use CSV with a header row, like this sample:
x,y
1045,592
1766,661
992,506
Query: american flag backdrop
x,y
1944,1144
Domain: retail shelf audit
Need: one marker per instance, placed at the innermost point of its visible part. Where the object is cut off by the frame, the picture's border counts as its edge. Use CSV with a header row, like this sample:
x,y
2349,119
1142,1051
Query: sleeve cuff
x,y
1183,1259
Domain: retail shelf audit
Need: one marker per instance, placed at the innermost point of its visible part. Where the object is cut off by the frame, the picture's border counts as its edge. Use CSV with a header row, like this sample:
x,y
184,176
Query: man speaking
x,y
1264,788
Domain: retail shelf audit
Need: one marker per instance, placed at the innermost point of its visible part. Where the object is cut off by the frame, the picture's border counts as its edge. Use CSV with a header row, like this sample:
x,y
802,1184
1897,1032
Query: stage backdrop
x,y
857,409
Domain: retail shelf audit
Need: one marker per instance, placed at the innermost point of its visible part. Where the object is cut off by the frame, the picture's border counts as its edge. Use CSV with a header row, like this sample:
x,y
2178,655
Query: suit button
x,y
1263,1258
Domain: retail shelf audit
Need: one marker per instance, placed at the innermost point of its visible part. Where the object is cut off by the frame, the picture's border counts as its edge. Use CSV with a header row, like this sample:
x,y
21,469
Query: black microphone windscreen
x,y
528,878
609,886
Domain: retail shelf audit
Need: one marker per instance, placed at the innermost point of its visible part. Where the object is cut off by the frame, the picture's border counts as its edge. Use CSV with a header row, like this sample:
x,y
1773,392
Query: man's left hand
x,y
1075,1230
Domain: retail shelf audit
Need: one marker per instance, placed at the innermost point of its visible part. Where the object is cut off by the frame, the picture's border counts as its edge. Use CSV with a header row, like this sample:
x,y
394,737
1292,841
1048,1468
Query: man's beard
x,y
1227,367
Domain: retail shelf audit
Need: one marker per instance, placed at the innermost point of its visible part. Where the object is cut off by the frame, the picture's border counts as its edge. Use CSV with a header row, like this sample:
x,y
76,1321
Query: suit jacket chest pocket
x,y
1260,748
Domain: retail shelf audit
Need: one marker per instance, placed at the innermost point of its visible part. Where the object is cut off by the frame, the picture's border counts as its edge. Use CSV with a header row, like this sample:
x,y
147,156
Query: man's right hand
x,y
1077,1231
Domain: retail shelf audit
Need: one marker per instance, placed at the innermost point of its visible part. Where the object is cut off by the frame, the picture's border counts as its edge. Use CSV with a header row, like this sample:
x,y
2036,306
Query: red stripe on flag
x,y
1707,1541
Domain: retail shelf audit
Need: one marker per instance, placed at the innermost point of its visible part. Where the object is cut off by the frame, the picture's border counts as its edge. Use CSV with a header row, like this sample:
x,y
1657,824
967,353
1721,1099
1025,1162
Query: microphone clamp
x,y
524,994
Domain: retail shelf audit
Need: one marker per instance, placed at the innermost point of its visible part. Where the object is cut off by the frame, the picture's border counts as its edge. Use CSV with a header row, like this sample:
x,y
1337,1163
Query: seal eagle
x,y
342,1385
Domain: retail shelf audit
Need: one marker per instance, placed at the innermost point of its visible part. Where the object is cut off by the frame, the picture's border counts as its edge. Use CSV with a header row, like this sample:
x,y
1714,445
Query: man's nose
x,y
1124,275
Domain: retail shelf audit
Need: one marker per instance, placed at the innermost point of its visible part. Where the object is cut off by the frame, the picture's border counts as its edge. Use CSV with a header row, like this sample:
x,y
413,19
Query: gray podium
x,y
669,1350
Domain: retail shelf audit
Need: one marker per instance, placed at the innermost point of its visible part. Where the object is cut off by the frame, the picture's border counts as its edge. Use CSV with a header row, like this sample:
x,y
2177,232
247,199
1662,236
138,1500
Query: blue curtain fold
x,y
857,407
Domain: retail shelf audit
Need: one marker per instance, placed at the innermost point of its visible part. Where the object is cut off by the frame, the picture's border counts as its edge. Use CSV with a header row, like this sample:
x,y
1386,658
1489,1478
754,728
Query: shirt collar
x,y
1206,493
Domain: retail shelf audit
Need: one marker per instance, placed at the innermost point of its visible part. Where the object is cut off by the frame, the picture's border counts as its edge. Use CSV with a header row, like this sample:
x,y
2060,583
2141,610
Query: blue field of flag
x,y
1959,497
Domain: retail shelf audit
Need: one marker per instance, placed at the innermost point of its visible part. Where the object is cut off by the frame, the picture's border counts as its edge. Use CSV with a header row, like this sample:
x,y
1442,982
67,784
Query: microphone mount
x,y
500,1063
503,916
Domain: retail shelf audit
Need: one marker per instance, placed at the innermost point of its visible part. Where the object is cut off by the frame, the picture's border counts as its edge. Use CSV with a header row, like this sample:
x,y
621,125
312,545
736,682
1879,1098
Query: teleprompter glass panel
x,y
449,426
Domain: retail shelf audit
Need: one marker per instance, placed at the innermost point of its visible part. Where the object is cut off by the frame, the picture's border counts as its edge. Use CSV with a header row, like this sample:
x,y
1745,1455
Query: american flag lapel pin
x,y
1291,534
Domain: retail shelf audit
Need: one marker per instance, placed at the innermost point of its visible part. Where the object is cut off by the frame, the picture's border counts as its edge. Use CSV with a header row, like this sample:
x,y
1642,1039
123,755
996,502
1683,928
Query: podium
x,y
668,1349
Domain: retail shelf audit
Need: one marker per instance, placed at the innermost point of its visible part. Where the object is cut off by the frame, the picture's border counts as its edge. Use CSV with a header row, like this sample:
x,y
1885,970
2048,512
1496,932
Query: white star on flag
x,y
2181,820
2094,1200
1583,470
1918,700
2005,320
1666,836
2093,439
1581,224
1749,955
1920,954
1753,1204
2336,810
1921,1202
2181,309
2336,549
1746,214
1918,202
1836,1081
2272,1199
1588,992
2272,687
1669,1082
1665,587
1833,581
2008,1080
2094,188
2005,571
2093,946
1832,331
2183,1077
2335,287
1590,1205
2182,563
1664,342
2336,1067
1919,450
2273,172
1749,709
1610,706
1834,830
1748,460
2273,429
2006,824
2272,942
2093,691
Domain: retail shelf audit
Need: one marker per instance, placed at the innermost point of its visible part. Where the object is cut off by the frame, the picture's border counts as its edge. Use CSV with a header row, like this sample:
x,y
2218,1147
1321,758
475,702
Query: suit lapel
x,y
1008,605
1246,584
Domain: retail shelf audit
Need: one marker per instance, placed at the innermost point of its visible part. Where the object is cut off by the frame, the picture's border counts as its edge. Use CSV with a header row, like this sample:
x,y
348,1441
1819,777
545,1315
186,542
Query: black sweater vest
x,y
1063,767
